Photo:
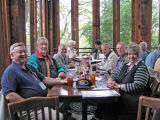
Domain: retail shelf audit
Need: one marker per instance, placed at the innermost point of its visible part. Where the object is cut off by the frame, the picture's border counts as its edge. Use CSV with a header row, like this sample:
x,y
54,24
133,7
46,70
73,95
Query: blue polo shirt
x,y
26,83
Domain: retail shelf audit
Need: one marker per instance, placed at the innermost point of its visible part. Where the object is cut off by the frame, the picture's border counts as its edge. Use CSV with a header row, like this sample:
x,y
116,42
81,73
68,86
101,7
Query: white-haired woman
x,y
71,51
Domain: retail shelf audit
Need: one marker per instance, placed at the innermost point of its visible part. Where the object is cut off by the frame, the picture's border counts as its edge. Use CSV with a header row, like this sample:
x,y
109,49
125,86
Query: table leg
x,y
84,111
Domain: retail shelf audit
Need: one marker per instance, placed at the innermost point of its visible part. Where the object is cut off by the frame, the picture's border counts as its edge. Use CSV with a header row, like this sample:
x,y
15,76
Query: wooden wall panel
x,y
96,20
75,22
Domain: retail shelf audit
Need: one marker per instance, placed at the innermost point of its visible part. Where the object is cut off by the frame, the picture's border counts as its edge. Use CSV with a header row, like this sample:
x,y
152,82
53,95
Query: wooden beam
x,y
117,23
114,23
75,22
18,20
41,18
133,21
146,21
159,22
137,21
50,26
5,38
56,24
96,20
33,25
46,18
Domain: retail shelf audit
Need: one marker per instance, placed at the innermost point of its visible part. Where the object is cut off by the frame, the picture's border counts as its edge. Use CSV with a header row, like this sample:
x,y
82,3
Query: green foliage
x,y
106,24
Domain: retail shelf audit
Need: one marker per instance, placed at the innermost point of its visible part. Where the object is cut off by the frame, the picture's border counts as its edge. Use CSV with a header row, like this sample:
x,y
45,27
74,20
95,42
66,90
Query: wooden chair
x,y
154,86
34,104
150,104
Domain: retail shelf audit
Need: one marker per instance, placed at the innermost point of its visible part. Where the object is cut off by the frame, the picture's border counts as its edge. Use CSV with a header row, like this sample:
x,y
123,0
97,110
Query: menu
x,y
106,93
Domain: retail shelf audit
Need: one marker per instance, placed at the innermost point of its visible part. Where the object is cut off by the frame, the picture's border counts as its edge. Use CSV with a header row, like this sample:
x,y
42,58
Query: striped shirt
x,y
141,78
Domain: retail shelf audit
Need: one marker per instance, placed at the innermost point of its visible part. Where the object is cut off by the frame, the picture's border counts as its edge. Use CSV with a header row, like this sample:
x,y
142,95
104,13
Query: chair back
x,y
154,86
34,108
150,104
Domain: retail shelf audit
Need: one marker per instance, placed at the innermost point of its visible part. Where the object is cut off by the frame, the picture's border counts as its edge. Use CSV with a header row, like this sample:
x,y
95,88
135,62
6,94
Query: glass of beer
x,y
70,78
92,77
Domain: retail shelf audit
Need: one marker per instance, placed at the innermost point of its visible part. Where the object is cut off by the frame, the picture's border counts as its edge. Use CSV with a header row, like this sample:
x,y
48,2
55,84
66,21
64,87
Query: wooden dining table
x,y
68,93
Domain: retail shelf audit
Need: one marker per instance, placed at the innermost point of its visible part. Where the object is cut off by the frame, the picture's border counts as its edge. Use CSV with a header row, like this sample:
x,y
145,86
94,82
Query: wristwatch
x,y
119,86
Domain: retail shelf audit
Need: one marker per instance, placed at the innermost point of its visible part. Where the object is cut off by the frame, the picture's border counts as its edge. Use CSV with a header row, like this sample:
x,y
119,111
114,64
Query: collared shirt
x,y
64,59
26,83
119,63
151,58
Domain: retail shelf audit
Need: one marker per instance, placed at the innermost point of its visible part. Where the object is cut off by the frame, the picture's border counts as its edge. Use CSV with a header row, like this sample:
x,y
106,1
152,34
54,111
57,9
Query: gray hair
x,y
122,43
133,47
61,45
42,38
16,45
71,42
106,44
143,45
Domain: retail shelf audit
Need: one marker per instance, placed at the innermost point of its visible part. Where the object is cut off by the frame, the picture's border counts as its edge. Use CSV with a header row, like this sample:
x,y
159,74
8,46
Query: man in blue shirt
x,y
20,81
152,57
123,58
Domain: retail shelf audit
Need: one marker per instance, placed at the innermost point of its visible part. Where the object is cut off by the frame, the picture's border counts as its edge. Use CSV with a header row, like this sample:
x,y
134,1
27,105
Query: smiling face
x,y
19,55
133,57
105,49
43,47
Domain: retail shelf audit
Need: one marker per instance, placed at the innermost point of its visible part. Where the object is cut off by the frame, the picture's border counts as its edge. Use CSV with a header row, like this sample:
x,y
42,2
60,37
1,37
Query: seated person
x,y
143,46
121,50
45,63
20,80
132,80
97,49
71,51
62,57
157,65
110,58
152,57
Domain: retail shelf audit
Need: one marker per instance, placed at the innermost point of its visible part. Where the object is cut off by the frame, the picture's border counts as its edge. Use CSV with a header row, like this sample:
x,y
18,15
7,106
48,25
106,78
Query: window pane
x,y
125,21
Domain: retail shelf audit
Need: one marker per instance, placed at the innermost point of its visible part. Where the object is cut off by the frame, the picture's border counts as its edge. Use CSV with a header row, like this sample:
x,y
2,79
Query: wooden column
x,y
33,24
18,32
116,22
96,20
50,26
56,23
133,20
145,21
159,22
5,38
75,22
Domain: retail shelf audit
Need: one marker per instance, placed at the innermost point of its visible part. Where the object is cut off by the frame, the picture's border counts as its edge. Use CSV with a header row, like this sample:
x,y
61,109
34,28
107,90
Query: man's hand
x,y
61,75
